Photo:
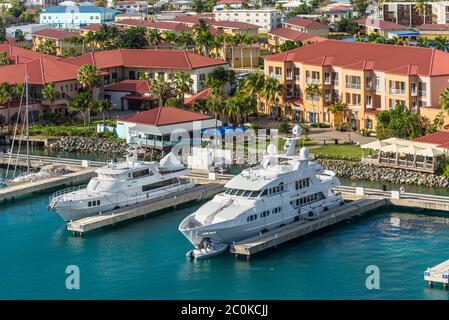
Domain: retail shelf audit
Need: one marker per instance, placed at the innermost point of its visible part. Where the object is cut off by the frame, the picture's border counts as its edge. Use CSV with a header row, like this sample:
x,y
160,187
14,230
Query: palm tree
x,y
184,39
423,42
154,37
182,82
4,58
50,94
339,109
170,37
444,100
6,97
441,43
313,90
271,91
289,45
253,85
228,40
160,89
420,9
103,106
200,106
202,36
249,41
82,103
89,77
216,104
237,41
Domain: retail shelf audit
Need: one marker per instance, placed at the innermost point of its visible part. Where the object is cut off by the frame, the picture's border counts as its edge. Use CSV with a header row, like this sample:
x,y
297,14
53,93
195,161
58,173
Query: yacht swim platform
x,y
273,238
110,218
439,274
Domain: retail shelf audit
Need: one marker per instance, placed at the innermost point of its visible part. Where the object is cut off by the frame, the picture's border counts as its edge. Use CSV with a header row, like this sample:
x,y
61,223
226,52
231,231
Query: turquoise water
x,y
145,259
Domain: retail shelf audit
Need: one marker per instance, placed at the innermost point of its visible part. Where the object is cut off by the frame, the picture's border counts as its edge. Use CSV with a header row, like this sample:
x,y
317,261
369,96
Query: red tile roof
x,y
392,59
434,27
232,24
190,101
190,19
146,58
39,71
380,24
20,55
339,8
139,86
439,138
54,34
165,116
161,25
307,23
294,35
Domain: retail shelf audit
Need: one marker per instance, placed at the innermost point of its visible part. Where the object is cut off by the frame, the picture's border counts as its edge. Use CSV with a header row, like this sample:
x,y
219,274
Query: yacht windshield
x,y
242,193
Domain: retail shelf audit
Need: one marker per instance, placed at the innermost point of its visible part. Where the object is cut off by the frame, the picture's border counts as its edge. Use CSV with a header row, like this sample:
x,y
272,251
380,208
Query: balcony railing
x,y
350,85
312,81
422,93
278,76
398,92
296,76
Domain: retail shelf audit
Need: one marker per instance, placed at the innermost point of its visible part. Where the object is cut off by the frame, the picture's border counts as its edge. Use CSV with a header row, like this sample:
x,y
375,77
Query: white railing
x,y
399,92
350,85
312,81
67,190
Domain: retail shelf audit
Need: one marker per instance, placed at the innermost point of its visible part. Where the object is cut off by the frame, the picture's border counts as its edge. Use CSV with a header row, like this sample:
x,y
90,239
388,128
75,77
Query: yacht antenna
x,y
27,124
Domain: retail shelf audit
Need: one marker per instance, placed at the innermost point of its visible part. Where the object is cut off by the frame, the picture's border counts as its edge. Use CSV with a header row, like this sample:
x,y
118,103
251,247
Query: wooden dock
x,y
439,274
81,226
23,189
273,238
39,161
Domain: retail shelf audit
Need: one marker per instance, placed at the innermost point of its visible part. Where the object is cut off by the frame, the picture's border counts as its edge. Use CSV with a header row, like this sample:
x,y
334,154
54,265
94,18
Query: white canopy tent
x,y
408,154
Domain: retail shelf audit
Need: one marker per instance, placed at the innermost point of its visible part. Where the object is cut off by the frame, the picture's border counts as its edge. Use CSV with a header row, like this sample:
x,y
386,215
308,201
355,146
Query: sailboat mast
x,y
27,123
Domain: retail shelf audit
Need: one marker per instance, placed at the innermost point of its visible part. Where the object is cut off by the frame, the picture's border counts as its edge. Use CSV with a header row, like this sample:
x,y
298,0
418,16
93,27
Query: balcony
x,y
350,85
296,76
278,76
423,93
313,81
398,92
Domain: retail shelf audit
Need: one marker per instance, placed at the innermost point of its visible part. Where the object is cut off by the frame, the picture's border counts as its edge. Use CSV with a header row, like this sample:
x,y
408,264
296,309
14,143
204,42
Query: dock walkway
x,y
439,273
273,238
84,225
22,189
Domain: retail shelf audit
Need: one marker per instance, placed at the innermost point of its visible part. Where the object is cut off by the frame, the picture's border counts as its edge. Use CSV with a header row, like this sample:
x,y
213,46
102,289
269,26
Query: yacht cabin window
x,y
141,173
242,193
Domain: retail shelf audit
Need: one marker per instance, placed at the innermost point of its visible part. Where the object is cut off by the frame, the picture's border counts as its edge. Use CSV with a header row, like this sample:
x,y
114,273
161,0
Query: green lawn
x,y
338,151
307,143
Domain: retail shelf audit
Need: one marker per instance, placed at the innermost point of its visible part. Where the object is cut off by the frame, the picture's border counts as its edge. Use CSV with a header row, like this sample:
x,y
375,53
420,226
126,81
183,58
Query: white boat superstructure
x,y
122,184
281,190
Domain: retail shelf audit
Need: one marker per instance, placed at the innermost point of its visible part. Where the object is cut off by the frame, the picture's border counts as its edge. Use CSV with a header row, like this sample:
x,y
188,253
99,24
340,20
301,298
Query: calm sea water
x,y
145,259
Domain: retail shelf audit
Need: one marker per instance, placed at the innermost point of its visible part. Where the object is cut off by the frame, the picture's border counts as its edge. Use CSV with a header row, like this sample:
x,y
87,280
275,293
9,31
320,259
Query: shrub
x,y
285,127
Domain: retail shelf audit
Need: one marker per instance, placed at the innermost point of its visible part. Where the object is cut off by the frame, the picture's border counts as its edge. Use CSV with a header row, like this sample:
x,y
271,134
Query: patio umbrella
x,y
375,145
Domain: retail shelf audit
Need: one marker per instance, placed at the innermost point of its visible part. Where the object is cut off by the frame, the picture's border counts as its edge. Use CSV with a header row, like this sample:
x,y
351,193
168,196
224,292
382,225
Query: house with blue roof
x,y
75,16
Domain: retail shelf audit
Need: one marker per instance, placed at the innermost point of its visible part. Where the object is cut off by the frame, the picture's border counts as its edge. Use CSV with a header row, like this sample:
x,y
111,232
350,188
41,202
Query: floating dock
x,y
22,189
81,226
39,161
273,238
439,274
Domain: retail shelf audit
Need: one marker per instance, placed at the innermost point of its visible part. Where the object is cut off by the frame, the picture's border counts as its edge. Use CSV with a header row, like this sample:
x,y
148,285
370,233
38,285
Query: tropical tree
x,y
4,58
340,110
423,42
170,37
184,39
174,102
200,106
88,76
444,100
47,46
289,45
240,104
313,91
271,91
441,43
82,103
154,37
6,97
160,89
219,78
133,38
202,36
182,83
249,41
50,94
216,104
420,9
103,106
253,85
437,123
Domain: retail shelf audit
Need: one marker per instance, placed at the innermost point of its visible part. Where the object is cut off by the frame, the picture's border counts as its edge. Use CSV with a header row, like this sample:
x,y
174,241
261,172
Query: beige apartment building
x,y
367,77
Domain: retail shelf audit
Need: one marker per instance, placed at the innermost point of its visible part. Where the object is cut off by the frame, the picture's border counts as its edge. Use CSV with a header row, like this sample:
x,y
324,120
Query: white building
x,y
132,6
267,19
73,17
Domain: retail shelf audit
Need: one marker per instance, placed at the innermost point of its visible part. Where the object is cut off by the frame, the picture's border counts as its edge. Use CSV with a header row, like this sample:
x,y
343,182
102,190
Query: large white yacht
x,y
283,189
122,184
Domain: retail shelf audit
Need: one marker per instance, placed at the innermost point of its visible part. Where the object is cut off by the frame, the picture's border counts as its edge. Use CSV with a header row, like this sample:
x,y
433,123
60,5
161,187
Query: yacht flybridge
x,y
283,189
122,184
